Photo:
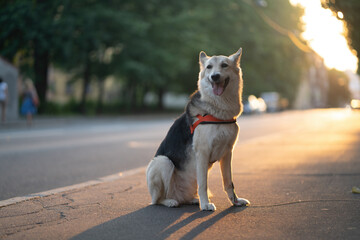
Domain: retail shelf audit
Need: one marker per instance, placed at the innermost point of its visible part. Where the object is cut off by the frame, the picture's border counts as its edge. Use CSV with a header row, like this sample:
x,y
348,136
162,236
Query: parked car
x,y
272,100
254,105
355,103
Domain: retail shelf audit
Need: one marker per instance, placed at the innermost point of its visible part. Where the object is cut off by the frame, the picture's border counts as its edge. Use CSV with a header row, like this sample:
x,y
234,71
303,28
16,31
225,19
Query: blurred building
x,y
354,84
10,75
313,88
63,87
170,100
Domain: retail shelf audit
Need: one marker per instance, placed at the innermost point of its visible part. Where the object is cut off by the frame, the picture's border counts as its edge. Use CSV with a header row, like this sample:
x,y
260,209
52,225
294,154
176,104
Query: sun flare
x,y
326,35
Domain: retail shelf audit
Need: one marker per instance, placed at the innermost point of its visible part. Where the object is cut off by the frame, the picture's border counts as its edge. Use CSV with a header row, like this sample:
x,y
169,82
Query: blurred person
x,y
3,99
30,101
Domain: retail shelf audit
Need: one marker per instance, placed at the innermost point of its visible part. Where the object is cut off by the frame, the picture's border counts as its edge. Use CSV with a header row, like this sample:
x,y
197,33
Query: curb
x,y
105,179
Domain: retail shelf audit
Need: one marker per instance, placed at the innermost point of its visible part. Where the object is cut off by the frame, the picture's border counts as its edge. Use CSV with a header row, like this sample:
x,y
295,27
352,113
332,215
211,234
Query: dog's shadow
x,y
154,222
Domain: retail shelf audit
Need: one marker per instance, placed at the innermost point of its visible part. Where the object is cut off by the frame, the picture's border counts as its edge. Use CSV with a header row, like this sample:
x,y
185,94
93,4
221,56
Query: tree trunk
x,y
132,96
86,82
144,90
161,92
99,106
41,66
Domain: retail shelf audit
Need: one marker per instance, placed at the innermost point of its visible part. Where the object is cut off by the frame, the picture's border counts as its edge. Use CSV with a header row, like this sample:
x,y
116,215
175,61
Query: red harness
x,y
209,119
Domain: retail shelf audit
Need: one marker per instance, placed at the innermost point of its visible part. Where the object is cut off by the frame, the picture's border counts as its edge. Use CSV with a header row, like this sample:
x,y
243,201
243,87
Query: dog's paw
x,y
170,203
208,207
241,202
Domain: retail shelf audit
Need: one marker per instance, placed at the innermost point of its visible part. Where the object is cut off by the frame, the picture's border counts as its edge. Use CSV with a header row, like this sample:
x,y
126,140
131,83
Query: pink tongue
x,y
218,88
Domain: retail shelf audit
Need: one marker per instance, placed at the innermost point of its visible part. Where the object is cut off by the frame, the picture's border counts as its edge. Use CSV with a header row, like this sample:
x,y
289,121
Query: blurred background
x,y
111,57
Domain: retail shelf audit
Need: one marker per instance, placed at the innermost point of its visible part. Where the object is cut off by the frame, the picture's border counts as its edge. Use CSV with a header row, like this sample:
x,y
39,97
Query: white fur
x,y
167,185
211,142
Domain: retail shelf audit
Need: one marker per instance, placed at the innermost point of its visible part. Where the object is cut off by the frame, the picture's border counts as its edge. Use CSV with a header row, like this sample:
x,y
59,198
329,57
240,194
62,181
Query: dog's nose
x,y
215,77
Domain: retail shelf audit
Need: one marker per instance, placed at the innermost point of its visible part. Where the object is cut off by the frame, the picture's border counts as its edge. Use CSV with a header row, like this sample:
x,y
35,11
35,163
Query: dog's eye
x,y
209,67
224,65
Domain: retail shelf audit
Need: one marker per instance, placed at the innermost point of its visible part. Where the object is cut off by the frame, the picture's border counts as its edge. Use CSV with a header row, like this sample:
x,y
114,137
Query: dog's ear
x,y
236,57
202,59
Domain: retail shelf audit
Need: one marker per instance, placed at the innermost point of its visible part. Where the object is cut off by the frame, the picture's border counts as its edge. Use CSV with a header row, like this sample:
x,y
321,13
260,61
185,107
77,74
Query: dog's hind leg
x,y
195,201
169,203
158,175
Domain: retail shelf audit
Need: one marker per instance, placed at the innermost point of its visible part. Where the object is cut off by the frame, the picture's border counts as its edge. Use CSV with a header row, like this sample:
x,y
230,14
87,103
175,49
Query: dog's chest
x,y
216,139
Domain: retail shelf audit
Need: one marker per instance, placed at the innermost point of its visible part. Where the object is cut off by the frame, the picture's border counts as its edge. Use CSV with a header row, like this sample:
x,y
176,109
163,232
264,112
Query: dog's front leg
x,y
202,165
225,165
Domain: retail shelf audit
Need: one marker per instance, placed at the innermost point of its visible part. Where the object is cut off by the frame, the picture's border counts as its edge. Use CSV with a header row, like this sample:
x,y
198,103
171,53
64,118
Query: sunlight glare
x,y
340,15
325,35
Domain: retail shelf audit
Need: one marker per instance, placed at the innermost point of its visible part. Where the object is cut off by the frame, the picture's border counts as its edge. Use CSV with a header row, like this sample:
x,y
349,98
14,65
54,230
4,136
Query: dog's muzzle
x,y
218,86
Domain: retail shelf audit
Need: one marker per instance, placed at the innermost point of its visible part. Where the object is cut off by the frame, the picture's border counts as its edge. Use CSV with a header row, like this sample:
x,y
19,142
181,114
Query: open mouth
x,y
219,88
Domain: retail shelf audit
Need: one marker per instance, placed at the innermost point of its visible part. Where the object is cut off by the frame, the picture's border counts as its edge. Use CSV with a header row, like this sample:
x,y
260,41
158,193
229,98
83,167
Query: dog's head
x,y
219,74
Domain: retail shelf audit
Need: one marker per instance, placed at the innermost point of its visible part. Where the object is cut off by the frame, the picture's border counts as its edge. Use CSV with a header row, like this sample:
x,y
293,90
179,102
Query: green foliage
x,y
29,36
153,45
270,61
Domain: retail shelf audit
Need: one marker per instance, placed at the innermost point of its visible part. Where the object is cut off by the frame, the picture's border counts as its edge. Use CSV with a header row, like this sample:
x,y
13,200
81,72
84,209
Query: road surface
x,y
297,168
55,155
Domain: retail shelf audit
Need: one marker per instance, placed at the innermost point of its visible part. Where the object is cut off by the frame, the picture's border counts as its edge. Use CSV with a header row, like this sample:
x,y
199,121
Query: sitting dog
x,y
204,134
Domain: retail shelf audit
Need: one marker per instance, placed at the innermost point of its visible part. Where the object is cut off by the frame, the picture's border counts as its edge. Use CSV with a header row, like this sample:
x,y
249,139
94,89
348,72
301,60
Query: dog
x,y
205,133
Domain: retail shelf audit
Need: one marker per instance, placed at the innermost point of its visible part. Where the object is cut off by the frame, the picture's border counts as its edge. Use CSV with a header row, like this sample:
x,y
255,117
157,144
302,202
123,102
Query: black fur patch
x,y
194,100
177,141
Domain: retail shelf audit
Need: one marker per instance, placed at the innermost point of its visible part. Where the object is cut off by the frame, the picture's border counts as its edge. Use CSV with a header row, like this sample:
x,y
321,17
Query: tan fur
x,y
211,142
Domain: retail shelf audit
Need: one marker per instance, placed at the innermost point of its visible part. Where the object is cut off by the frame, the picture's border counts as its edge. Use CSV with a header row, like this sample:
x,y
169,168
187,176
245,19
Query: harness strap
x,y
209,119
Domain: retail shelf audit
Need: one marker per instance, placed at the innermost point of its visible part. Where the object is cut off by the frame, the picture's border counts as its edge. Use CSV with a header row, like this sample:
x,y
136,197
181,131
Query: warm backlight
x,y
325,34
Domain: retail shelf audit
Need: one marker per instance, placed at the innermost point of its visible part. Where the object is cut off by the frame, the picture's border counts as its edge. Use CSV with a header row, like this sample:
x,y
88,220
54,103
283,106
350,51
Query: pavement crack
x,y
23,214
303,202
65,195
12,233
63,216
37,211
112,194
84,205
37,223
128,189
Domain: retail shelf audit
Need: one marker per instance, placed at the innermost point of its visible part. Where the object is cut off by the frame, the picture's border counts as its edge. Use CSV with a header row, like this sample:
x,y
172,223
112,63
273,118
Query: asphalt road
x,y
297,168
57,153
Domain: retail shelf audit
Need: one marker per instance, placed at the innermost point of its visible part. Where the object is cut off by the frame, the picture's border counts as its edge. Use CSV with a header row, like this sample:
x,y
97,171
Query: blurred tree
x,y
28,36
150,45
350,10
165,57
155,58
270,61
67,33
96,32
339,93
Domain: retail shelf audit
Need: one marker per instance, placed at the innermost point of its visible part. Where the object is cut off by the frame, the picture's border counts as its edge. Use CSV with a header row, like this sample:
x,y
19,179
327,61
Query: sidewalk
x,y
299,184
